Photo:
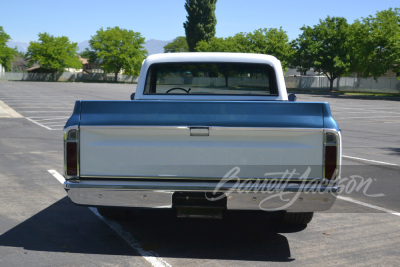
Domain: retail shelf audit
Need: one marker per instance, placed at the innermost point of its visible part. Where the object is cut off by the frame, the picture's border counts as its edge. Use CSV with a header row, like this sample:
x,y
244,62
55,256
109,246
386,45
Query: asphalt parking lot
x,y
39,226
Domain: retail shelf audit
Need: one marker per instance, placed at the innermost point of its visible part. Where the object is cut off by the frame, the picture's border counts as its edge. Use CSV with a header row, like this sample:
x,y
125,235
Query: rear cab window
x,y
199,78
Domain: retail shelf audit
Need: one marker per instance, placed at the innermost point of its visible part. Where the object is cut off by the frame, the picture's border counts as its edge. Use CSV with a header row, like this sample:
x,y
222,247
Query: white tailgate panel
x,y
172,152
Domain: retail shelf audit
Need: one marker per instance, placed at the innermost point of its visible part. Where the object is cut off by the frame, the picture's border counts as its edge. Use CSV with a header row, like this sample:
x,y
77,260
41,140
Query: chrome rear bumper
x,y
158,194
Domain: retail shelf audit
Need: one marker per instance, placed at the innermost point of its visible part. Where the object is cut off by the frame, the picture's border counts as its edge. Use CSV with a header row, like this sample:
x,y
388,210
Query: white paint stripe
x,y
49,123
368,108
46,117
41,125
367,118
366,112
38,107
47,111
150,256
369,160
56,175
52,118
349,199
31,152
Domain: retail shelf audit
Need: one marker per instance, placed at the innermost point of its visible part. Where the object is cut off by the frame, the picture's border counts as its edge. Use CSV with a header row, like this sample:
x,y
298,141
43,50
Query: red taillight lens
x,y
72,159
330,162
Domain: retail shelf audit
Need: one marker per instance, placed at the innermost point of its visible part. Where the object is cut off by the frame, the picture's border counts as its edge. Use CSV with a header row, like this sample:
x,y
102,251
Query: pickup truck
x,y
203,134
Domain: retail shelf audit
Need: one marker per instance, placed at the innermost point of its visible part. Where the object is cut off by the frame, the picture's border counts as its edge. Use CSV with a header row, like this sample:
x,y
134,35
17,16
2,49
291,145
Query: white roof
x,y
211,57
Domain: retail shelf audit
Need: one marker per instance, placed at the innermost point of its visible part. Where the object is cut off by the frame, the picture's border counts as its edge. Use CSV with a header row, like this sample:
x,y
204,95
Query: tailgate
x,y
201,140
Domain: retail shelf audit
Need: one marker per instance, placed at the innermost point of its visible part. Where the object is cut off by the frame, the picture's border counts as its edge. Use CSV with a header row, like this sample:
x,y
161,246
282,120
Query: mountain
x,y
22,47
152,46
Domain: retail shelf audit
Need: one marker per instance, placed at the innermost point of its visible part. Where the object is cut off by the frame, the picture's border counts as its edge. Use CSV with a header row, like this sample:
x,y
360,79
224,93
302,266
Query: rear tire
x,y
114,213
297,218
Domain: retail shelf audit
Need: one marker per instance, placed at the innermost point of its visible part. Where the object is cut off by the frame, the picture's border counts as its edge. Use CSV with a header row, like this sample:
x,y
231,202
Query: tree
x,y
237,43
326,47
262,41
117,49
6,53
179,44
53,54
201,21
377,44
19,62
272,42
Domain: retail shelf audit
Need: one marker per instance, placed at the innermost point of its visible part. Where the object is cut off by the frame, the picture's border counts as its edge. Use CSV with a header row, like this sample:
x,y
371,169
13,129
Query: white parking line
x,y
349,199
369,160
149,256
46,118
49,123
58,176
48,111
374,117
41,125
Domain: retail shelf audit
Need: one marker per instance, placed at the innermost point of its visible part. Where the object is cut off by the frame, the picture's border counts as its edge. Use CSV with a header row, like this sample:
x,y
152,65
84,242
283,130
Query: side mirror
x,y
132,96
292,97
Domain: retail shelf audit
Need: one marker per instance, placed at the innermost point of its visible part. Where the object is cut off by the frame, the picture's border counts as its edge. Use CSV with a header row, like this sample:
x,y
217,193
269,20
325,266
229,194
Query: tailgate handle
x,y
199,131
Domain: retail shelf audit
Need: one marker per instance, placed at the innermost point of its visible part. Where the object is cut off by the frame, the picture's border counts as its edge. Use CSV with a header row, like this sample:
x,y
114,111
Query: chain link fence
x,y
66,76
380,85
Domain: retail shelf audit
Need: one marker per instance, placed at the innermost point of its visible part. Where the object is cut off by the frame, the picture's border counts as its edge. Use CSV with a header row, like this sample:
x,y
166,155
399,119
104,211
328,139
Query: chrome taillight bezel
x,y
332,139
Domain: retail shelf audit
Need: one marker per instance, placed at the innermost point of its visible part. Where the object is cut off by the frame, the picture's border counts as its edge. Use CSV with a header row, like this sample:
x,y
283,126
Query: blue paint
x,y
76,115
203,113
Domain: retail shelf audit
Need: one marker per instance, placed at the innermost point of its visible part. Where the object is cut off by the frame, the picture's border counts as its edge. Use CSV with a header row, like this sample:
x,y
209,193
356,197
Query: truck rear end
x,y
203,154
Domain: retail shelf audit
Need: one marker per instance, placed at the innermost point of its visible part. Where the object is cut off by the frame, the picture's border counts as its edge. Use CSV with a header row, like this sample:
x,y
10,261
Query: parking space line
x,y
51,123
48,111
369,160
349,199
375,117
58,176
41,125
150,256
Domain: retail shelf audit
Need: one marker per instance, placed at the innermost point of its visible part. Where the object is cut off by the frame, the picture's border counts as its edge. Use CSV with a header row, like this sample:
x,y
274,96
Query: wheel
x,y
178,88
113,213
297,218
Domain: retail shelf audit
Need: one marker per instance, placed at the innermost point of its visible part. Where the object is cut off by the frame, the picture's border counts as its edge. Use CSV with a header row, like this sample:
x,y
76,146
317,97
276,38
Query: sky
x,y
163,19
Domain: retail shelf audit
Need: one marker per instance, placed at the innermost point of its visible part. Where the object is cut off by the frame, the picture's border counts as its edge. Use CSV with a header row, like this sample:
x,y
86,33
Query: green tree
x,y
6,53
272,42
117,49
19,62
217,44
201,21
326,47
262,41
179,44
377,43
53,54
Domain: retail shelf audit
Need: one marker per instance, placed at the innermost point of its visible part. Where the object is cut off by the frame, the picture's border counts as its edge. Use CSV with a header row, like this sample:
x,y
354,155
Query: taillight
x,y
331,155
72,159
71,155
